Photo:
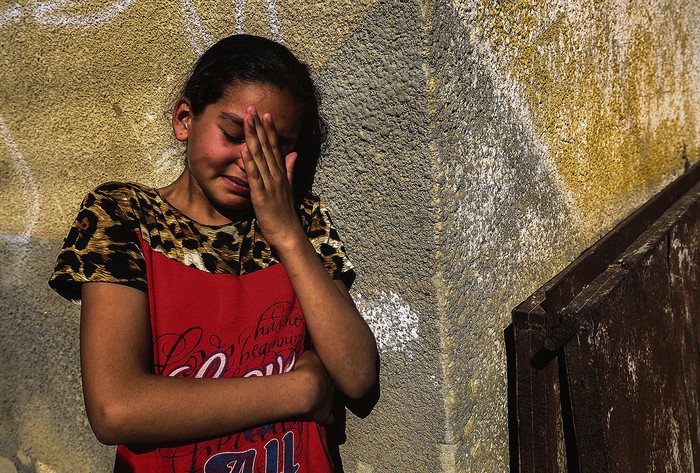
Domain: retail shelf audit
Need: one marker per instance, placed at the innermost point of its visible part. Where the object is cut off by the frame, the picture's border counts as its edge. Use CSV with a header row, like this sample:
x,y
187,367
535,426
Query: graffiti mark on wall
x,y
14,13
162,164
30,189
510,91
274,22
199,37
240,15
393,322
30,194
50,14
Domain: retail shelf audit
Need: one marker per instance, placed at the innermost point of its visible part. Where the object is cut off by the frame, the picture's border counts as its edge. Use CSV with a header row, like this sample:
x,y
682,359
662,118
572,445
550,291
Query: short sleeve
x,y
325,239
101,246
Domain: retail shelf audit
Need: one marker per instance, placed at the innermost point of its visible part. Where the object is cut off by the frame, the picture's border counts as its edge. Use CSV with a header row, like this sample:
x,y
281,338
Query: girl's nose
x,y
239,156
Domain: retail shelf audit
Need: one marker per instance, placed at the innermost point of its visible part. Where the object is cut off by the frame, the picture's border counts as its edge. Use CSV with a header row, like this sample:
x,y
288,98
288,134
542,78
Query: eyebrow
x,y
232,117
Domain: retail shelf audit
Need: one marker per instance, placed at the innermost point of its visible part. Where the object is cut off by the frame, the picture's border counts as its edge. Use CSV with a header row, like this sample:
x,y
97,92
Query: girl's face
x,y
214,139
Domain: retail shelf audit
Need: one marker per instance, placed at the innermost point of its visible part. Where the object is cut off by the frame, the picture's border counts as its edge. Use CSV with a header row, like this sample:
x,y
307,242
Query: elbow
x,y
109,421
361,384
365,378
357,391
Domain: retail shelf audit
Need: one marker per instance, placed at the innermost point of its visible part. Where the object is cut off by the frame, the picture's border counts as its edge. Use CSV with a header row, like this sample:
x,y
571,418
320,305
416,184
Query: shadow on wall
x,y
43,427
360,407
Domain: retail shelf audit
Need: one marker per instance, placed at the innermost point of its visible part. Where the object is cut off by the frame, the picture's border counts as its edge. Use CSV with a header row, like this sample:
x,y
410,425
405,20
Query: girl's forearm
x,y
340,335
156,409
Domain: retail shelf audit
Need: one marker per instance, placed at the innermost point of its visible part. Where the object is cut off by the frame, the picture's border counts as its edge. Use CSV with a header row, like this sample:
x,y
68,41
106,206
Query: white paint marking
x,y
29,187
363,467
14,13
60,208
42,467
434,381
240,16
448,457
199,37
45,14
275,28
632,368
391,319
507,89
163,162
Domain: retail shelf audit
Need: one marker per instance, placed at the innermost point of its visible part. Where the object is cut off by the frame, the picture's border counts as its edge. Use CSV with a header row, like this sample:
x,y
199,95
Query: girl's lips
x,y
238,186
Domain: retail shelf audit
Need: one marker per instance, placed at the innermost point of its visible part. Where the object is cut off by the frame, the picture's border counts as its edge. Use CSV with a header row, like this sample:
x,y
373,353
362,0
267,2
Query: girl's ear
x,y
182,119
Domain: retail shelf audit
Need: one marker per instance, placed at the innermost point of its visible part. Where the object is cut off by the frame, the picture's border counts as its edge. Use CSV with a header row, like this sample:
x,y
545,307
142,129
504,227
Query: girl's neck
x,y
186,196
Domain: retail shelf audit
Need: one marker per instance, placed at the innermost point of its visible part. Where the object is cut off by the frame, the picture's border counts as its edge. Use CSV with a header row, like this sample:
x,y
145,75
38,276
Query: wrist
x,y
303,393
292,243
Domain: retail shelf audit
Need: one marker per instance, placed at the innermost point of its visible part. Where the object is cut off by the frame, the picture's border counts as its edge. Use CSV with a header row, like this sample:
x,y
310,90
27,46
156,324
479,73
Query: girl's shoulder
x,y
103,244
308,203
314,215
323,234
120,191
121,201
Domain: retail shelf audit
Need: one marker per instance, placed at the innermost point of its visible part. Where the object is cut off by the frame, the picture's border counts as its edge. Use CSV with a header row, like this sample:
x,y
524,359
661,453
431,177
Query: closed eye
x,y
235,139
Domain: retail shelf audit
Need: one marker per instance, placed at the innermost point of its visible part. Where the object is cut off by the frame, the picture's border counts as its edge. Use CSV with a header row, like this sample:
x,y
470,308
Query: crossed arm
x,y
127,404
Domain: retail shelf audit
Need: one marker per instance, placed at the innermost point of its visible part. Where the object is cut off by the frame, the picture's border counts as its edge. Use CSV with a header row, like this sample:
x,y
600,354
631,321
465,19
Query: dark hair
x,y
256,60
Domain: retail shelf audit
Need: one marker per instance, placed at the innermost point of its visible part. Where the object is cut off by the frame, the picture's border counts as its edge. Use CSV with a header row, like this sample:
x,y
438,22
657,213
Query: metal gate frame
x,y
605,359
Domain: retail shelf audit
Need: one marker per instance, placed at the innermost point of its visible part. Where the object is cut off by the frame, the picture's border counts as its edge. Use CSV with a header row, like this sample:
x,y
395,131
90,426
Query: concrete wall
x,y
476,148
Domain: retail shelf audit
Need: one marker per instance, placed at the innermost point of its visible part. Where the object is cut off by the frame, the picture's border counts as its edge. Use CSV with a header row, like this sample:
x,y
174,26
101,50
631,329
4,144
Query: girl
x,y
215,318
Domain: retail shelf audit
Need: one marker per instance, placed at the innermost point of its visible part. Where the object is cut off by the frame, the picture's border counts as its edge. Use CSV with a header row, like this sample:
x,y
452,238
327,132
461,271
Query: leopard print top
x,y
103,243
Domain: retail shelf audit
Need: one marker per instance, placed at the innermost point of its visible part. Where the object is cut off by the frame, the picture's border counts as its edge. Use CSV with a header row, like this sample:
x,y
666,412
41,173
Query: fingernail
x,y
251,122
252,110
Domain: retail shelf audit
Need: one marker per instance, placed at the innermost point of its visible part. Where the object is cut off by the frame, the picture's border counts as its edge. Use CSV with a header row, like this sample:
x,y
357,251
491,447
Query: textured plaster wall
x,y
476,148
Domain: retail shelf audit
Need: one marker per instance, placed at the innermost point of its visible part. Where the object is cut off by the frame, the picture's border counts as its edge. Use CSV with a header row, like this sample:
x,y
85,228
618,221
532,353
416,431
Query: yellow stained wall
x,y
610,89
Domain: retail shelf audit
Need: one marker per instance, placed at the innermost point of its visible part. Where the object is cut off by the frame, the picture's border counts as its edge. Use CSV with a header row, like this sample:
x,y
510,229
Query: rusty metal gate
x,y
604,360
